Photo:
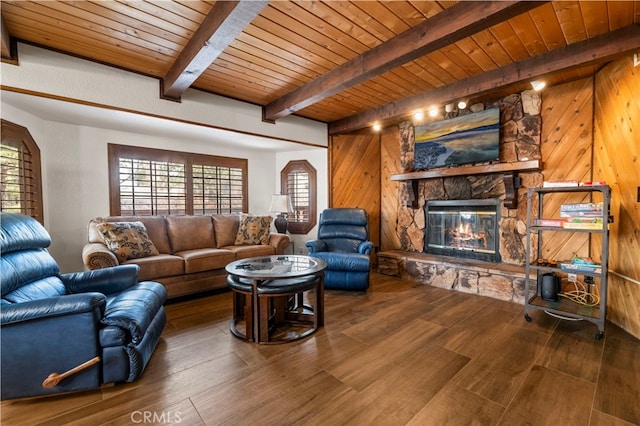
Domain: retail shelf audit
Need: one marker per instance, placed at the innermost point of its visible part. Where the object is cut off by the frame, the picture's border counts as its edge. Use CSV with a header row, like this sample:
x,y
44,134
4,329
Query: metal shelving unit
x,y
565,308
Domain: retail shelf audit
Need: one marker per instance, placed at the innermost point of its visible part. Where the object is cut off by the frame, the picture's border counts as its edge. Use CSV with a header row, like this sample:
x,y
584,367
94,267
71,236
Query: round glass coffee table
x,y
269,297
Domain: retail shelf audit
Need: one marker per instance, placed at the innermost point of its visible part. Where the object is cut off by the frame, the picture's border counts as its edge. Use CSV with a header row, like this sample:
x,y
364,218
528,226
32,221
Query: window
x,y
20,178
298,179
146,181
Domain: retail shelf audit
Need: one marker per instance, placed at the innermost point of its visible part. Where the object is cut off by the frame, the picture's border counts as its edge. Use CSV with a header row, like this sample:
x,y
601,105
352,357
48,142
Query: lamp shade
x,y
280,204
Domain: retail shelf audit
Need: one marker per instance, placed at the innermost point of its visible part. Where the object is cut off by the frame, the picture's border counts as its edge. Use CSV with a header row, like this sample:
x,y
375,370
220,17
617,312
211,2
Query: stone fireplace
x,y
499,272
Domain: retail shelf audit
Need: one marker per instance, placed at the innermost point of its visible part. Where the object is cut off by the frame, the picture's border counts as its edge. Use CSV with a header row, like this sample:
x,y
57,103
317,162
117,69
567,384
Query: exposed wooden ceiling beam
x,y
7,45
220,27
598,49
447,27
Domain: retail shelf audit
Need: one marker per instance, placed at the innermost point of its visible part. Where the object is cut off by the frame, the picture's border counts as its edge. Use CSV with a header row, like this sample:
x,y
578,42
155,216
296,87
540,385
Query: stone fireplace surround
x,y
520,129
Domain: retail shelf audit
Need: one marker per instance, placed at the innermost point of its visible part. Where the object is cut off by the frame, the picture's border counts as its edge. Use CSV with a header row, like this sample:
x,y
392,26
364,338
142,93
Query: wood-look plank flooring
x,y
399,354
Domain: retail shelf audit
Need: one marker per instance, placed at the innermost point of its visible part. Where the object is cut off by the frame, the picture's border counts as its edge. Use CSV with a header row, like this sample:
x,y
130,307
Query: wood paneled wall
x,y
390,165
354,170
617,161
567,139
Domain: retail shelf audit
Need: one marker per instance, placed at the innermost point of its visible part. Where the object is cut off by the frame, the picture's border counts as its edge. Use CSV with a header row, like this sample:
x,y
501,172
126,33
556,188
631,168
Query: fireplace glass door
x,y
463,228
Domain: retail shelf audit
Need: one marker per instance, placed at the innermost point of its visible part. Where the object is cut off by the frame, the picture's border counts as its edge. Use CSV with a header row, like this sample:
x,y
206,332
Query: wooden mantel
x,y
471,170
509,171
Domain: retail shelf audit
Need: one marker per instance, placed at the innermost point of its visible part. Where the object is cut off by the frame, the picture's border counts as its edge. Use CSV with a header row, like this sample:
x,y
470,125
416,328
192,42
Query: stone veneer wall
x,y
520,129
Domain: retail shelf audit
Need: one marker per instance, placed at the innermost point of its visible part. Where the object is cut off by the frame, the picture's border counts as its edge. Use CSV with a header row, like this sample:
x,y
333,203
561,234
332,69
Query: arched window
x,y
20,176
298,180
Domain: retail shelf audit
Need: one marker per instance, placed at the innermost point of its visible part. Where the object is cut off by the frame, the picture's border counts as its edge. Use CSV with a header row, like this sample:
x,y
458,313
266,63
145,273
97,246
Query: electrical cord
x,y
581,295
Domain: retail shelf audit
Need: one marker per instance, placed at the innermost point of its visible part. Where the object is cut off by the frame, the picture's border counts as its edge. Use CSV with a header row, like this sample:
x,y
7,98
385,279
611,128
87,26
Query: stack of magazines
x,y
582,216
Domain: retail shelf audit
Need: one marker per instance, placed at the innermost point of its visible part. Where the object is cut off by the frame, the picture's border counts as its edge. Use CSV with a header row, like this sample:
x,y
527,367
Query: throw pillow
x,y
253,230
127,240
226,229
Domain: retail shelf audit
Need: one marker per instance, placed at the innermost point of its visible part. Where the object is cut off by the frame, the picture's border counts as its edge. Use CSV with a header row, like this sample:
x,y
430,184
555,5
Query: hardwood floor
x,y
400,354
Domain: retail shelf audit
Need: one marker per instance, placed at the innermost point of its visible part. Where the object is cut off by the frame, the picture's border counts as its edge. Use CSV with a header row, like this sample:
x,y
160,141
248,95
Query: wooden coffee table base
x,y
282,315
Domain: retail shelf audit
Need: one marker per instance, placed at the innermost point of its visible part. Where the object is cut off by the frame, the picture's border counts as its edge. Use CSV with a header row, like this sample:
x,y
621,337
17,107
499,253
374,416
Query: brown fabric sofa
x,y
193,250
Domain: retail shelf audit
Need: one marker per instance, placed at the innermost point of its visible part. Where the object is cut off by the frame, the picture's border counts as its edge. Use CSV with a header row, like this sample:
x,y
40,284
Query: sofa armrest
x,y
316,246
365,247
98,256
54,307
105,281
279,241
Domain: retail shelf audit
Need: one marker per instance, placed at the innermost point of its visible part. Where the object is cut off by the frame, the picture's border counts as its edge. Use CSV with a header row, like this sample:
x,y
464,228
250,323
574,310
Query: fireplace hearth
x,y
463,228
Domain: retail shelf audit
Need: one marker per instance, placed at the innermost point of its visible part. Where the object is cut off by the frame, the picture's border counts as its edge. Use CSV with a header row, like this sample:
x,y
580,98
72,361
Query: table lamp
x,y
281,204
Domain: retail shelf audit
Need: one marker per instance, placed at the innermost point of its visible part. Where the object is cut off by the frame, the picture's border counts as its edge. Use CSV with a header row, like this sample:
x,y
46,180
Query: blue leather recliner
x,y
343,242
103,323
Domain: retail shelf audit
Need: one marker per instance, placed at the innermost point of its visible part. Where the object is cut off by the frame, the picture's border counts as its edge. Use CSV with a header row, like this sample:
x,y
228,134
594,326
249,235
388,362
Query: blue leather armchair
x,y
343,242
104,322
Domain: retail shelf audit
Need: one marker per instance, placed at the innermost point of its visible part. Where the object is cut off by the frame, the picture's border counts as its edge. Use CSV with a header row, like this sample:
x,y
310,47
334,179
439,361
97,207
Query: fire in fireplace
x,y
463,228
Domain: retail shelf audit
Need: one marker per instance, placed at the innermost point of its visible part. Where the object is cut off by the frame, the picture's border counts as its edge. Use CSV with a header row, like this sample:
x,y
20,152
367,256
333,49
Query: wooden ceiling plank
x,y
388,18
132,25
509,40
253,49
570,18
116,8
313,43
218,29
490,45
360,18
545,20
528,33
595,17
257,65
620,14
471,48
324,15
309,26
143,61
581,54
76,20
447,27
288,49
430,80
409,14
176,9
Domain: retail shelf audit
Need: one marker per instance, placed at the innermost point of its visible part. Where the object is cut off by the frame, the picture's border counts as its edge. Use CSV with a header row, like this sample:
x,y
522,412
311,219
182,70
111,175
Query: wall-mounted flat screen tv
x,y
472,138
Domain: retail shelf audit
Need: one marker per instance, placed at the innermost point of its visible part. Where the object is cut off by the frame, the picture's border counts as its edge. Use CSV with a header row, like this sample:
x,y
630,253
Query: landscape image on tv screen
x,y
471,138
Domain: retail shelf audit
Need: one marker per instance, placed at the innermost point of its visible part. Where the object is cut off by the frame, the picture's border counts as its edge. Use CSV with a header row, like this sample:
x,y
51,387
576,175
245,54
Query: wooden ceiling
x,y
346,63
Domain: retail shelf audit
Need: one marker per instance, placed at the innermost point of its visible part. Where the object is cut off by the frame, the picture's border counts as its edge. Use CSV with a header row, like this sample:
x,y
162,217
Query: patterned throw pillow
x,y
127,240
253,230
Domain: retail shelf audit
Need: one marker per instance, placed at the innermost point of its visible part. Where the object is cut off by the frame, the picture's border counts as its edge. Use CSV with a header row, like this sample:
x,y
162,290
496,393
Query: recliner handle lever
x,y
54,378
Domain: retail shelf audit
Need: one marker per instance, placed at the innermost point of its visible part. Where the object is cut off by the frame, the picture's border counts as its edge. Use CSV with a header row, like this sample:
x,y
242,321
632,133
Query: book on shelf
x,y
594,183
559,183
553,223
581,207
581,267
583,219
578,225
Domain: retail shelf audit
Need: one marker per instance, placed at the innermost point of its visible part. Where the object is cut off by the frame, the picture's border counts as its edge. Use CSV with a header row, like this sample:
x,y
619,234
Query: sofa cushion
x,y
127,240
226,229
163,265
205,259
253,230
190,232
243,252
